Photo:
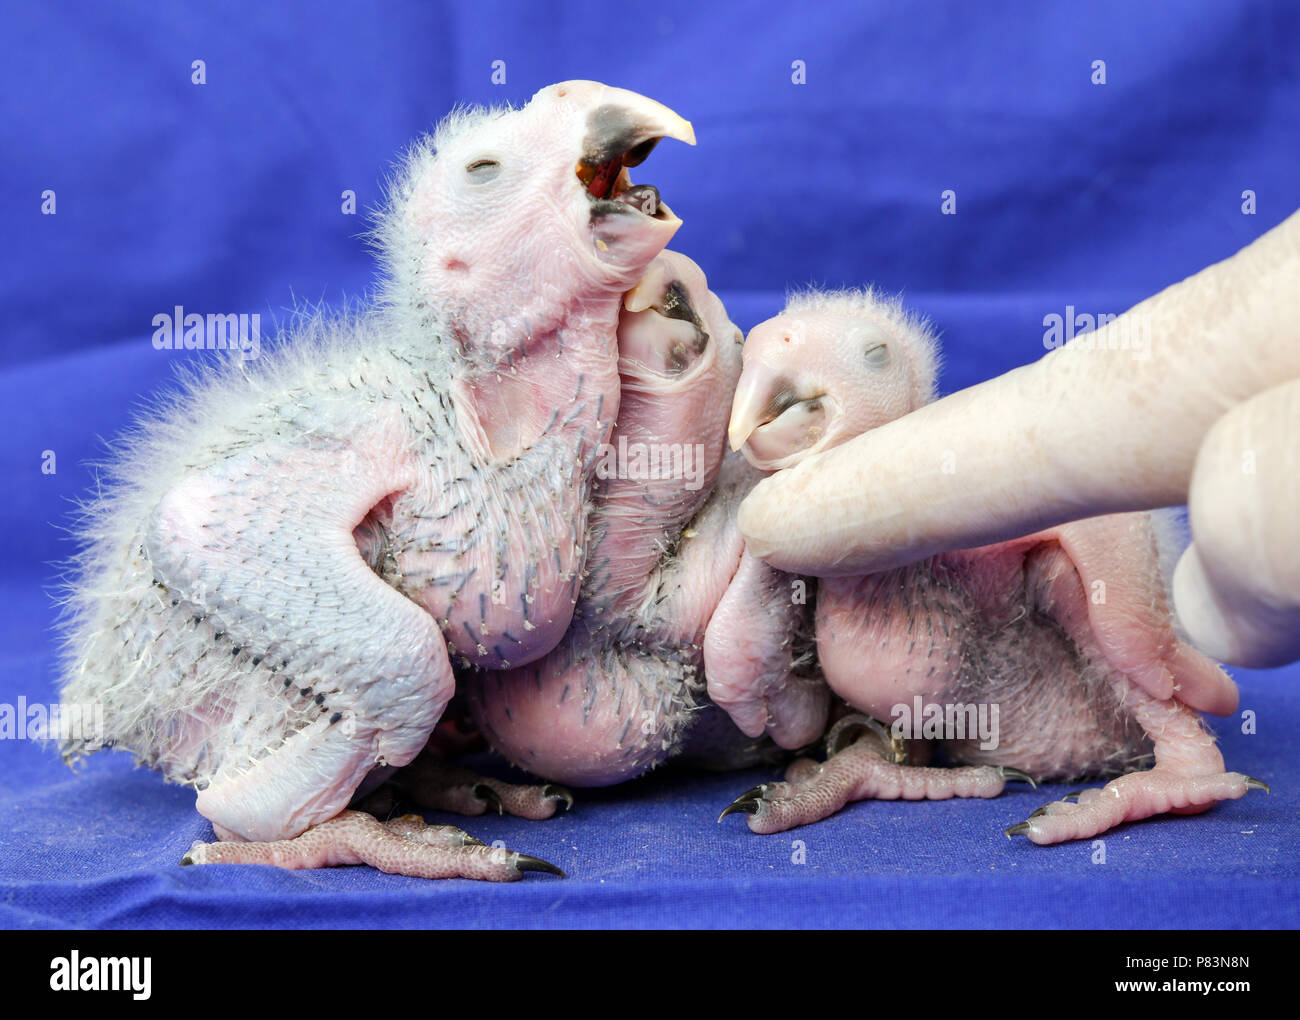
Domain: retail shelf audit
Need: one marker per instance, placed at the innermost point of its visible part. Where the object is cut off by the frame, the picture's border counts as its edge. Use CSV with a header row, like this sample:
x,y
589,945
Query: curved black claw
x,y
485,793
468,840
742,806
1038,812
1073,795
1007,772
746,803
524,862
1257,784
554,791
1017,830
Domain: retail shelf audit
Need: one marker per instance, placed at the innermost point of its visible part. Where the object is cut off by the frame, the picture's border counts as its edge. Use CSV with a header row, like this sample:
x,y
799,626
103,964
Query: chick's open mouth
x,y
612,190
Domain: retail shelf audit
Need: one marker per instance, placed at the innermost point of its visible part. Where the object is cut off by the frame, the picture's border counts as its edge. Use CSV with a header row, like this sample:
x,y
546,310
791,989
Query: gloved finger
x,y
1237,587
1109,425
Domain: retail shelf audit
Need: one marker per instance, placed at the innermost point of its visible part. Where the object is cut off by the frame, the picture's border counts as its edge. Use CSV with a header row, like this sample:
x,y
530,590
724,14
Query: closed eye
x,y
483,170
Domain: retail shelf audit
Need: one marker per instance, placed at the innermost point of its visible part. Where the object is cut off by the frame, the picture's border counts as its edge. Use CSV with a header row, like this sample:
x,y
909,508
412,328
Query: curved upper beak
x,y
761,395
624,123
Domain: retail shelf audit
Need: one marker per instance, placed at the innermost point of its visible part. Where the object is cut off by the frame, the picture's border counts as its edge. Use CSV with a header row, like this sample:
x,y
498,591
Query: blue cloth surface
x,y
226,197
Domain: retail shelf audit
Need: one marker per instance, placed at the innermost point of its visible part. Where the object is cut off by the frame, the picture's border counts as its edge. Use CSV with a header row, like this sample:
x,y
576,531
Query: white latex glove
x,y
1210,417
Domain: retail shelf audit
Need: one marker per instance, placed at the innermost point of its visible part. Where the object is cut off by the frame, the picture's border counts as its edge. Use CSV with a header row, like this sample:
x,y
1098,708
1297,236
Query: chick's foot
x,y
403,846
864,763
1130,798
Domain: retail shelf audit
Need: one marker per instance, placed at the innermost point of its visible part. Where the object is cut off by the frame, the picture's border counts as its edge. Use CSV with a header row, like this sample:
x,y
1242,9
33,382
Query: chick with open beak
x,y
269,605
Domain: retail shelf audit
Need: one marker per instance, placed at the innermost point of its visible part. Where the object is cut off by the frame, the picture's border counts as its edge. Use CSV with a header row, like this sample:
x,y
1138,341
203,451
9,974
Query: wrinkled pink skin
x,y
1067,631
620,694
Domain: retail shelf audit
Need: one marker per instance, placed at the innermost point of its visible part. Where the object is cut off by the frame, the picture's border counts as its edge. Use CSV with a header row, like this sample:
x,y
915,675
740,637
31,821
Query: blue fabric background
x,y
225,197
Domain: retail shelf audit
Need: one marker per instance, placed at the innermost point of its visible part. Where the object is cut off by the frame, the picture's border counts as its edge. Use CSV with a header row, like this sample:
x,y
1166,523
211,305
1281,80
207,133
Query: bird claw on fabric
x,y
1130,798
860,771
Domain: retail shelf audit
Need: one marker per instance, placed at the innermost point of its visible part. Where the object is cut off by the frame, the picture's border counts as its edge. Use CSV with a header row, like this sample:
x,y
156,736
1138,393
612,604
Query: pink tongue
x,y
603,182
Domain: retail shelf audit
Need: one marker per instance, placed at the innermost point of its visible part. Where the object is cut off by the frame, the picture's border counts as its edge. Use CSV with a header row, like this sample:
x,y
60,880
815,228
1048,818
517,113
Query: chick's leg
x,y
865,763
754,657
1188,778
299,670
403,846
1131,630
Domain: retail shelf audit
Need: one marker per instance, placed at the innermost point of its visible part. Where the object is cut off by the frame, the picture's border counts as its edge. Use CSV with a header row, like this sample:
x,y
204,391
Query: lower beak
x,y
772,424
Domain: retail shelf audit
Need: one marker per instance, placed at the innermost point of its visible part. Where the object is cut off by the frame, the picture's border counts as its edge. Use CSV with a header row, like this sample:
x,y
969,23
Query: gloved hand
x,y
1208,414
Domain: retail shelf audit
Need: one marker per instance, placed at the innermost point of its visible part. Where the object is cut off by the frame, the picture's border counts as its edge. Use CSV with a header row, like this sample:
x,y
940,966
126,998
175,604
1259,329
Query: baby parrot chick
x,y
659,627
1064,639
289,559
